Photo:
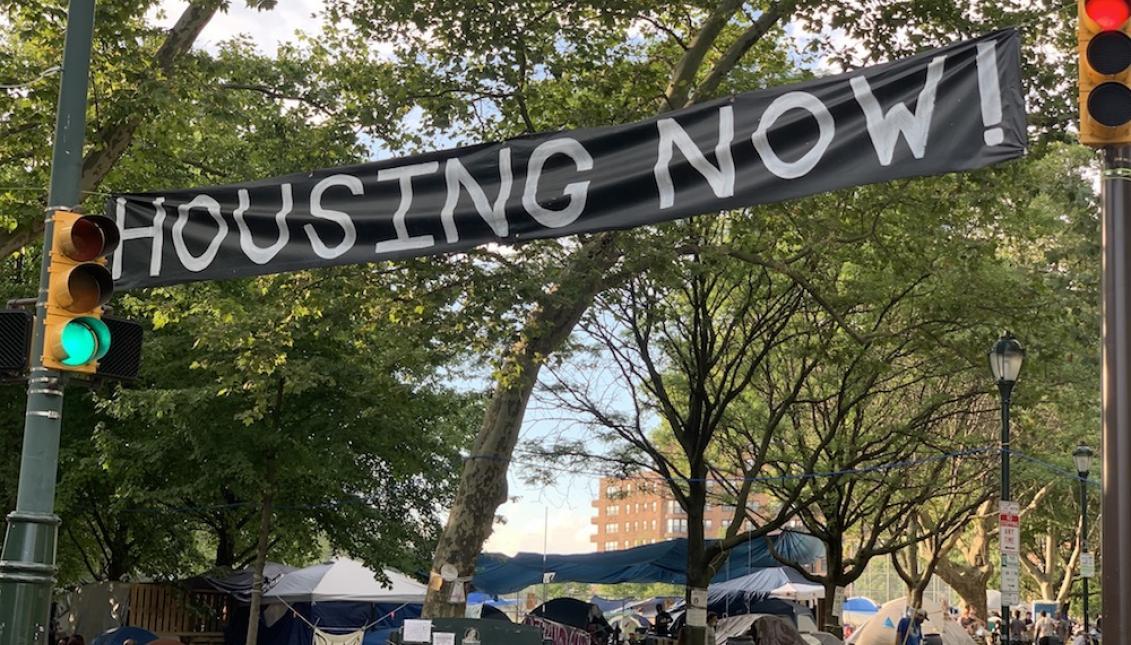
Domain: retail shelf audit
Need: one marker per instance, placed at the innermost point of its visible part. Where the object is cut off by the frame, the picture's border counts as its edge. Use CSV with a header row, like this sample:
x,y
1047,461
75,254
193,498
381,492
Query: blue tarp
x,y
665,562
739,595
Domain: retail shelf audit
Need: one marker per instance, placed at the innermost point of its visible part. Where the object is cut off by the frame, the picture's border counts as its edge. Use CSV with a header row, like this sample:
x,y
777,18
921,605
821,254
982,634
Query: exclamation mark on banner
x,y
990,93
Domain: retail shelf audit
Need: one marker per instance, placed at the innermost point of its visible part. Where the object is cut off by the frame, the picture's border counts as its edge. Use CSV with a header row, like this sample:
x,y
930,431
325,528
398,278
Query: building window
x,y
612,491
678,526
653,525
612,546
707,525
674,508
613,510
612,528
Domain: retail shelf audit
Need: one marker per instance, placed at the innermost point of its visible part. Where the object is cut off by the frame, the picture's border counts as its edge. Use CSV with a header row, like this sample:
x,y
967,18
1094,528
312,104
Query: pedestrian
x,y
1080,637
712,623
910,629
1017,628
663,621
968,620
1045,629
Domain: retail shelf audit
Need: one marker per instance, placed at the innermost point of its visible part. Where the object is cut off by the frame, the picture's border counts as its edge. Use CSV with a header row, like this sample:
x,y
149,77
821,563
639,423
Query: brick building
x,y
634,512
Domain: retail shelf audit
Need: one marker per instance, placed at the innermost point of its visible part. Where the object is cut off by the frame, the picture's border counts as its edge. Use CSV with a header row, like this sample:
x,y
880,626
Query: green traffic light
x,y
84,340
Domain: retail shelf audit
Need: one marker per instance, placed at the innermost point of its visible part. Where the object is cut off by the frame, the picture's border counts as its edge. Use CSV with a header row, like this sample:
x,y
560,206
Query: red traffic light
x,y
1108,14
89,237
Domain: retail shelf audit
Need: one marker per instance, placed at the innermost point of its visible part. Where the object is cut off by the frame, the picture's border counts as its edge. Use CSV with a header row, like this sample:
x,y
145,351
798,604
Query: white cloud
x,y
526,529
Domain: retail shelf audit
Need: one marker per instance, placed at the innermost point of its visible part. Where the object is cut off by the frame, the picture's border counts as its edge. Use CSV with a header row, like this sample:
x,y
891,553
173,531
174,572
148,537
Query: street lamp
x,y
1083,458
1005,357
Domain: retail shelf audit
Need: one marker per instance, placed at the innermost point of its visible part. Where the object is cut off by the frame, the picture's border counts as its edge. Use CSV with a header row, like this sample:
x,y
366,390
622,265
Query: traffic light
x,y
15,340
1104,48
75,335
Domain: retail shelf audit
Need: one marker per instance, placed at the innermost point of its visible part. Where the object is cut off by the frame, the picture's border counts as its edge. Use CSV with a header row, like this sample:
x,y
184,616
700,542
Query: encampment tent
x,y
880,628
346,580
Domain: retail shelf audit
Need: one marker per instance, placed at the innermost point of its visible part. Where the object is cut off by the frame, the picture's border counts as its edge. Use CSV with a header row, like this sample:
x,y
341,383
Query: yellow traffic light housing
x,y
1104,50
75,336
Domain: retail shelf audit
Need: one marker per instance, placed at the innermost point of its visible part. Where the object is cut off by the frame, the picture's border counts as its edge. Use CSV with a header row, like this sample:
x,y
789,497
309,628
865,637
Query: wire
x,y
54,69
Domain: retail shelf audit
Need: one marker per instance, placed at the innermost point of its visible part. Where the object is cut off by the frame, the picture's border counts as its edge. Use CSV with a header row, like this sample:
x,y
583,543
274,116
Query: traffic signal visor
x,y
1104,50
80,284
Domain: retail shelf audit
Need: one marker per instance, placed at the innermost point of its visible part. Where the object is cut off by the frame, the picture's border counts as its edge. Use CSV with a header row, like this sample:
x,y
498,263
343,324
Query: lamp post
x,y
1005,363
1083,458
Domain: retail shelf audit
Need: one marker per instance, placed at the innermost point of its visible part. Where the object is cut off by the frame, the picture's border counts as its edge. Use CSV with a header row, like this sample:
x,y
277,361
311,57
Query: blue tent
x,y
336,617
738,595
861,605
661,562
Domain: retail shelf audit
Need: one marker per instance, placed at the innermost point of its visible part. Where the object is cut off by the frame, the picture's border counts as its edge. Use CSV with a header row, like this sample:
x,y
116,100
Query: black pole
x,y
1005,388
1116,453
1084,543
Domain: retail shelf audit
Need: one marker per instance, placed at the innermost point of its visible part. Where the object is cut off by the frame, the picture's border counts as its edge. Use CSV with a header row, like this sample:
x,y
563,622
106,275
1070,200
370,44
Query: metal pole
x,y
1005,388
1116,580
1084,539
27,561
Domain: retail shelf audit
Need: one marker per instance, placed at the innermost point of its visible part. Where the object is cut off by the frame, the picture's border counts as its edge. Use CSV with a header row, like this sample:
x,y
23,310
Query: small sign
x,y
548,577
699,598
1087,565
838,602
696,617
443,638
417,631
1009,515
1010,581
473,611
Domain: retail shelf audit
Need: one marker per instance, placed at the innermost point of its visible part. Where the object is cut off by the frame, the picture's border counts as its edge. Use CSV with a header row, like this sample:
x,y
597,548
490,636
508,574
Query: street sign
x,y
1087,565
1009,514
1010,581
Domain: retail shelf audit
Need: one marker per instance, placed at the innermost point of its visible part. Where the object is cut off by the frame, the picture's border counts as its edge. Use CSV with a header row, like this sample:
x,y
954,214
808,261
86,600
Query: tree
x,y
685,341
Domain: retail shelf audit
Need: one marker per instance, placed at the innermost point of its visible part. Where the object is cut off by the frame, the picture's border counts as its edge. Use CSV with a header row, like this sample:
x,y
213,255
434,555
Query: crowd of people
x,y
1026,630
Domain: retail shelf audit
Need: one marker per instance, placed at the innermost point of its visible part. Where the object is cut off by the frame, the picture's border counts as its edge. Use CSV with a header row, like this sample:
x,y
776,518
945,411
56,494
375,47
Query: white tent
x,y
880,628
799,591
344,580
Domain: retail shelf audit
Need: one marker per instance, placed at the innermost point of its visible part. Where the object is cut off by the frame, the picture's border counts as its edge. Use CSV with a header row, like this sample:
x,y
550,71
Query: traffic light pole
x,y
1116,575
27,561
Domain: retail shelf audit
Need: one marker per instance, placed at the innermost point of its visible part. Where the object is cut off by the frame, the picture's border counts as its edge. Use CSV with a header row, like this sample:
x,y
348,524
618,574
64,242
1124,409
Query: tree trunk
x,y
827,621
483,482
698,560
260,563
969,582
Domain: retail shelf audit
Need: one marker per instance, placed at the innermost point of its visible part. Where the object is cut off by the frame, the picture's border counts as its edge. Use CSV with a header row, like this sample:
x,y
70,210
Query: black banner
x,y
952,109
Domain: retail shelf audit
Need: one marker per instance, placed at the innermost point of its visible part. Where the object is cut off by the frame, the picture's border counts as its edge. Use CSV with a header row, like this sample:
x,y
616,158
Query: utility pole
x,y
27,561
1116,575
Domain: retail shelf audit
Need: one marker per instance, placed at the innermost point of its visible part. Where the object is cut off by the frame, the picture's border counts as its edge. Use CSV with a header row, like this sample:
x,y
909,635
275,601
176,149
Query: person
x,y
1080,637
1017,628
663,621
910,629
968,621
1045,629
712,622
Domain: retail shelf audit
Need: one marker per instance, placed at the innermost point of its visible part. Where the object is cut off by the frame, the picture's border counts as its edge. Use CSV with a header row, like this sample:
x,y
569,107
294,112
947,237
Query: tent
x,y
736,596
861,605
666,562
238,583
570,611
799,591
341,596
347,580
880,628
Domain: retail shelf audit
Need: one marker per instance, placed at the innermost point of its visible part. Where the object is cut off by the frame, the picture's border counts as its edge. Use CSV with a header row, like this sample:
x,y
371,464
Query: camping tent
x,y
736,596
344,579
340,597
661,562
880,628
